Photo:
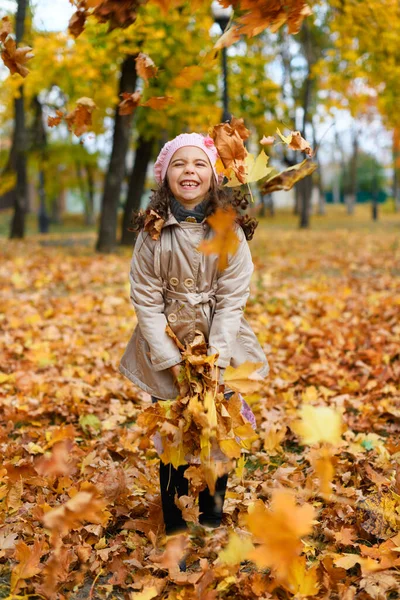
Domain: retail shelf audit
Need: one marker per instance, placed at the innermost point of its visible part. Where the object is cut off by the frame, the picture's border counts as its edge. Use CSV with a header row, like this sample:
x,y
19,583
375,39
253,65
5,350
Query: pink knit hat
x,y
185,139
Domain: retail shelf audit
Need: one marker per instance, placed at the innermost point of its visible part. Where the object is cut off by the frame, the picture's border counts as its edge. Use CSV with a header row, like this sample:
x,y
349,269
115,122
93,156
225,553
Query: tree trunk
x,y
18,151
38,142
90,220
375,192
107,237
137,182
396,170
352,196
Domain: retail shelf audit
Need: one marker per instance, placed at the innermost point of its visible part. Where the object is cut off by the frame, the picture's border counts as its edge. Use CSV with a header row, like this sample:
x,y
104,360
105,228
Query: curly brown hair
x,y
216,198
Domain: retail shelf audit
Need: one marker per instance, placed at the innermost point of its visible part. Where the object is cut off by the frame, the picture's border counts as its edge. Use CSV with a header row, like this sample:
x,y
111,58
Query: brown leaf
x,y
77,22
60,461
129,103
5,28
29,565
286,179
190,511
145,67
188,76
158,102
53,121
80,119
153,224
15,58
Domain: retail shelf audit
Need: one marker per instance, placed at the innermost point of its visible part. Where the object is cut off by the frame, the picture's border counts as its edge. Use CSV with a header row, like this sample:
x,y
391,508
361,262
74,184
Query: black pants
x,y
173,481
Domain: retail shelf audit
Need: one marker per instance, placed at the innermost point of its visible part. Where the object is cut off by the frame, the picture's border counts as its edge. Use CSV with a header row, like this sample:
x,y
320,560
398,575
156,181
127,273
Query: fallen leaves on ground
x,y
326,309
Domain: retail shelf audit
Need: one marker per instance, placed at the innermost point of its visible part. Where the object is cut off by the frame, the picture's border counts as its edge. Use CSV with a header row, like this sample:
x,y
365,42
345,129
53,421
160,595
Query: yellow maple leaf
x,y
244,378
318,424
300,581
280,529
236,550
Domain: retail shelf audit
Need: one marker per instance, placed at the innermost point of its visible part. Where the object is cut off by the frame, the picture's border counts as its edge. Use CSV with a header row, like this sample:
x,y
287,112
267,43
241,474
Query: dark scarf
x,y
180,212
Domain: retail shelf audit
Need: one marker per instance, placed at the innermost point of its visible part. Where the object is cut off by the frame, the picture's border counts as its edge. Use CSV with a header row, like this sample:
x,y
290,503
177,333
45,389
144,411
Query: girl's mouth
x,y
189,184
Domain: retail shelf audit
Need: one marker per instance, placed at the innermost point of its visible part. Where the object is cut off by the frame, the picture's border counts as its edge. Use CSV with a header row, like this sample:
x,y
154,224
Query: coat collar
x,y
171,220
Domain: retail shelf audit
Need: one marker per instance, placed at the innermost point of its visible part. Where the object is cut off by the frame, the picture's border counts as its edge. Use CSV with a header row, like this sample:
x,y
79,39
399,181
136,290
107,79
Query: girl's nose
x,y
189,168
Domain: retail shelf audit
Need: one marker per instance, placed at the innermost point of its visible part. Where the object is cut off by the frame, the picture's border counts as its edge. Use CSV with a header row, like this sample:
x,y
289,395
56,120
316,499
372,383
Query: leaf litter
x,y
79,485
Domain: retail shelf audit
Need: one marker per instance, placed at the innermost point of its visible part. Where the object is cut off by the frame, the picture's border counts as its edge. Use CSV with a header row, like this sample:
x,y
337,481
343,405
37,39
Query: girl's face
x,y
189,175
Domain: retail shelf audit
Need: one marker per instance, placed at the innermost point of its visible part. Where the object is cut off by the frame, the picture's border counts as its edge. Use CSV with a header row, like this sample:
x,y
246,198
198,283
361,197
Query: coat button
x,y
172,318
189,282
174,281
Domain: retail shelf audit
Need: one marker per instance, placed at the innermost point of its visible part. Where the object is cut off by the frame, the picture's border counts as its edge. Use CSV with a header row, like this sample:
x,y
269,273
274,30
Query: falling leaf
x,y
5,28
225,240
145,67
188,76
129,103
15,58
279,529
255,169
296,142
267,140
80,119
158,102
286,179
77,23
318,424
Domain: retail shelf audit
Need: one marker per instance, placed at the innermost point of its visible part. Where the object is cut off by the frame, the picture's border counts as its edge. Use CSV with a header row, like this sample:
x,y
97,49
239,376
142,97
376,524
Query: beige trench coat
x,y
172,282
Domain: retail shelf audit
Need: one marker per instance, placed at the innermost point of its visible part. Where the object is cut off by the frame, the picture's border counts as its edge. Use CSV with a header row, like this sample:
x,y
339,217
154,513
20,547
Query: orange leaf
x,y
225,240
280,529
129,103
158,102
29,565
14,58
188,76
145,67
5,28
81,117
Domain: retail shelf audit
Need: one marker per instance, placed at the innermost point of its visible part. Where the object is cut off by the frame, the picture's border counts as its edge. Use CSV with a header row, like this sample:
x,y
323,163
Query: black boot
x,y
211,507
172,481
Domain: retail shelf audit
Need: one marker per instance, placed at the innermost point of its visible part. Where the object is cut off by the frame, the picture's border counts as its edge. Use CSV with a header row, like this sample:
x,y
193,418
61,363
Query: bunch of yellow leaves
x,y
202,427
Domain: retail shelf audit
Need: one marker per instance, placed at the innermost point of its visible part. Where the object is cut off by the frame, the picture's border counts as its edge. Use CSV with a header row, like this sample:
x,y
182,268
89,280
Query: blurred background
x,y
336,81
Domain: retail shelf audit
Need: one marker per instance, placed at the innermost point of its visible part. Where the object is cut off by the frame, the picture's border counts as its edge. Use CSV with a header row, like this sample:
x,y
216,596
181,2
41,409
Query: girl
x,y
173,283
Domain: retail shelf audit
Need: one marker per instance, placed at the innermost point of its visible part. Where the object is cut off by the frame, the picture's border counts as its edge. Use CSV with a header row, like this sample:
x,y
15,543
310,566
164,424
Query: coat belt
x,y
193,298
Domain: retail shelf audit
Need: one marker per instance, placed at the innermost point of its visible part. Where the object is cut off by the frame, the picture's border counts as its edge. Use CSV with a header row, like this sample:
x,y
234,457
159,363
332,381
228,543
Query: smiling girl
x,y
173,283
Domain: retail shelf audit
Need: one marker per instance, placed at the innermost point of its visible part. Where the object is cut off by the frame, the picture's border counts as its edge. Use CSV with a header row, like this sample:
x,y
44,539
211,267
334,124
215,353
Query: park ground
x,y
325,305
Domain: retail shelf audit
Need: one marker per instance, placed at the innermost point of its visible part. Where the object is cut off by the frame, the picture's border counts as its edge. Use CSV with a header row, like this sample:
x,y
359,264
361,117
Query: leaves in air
x,y
145,67
14,58
286,179
280,530
296,142
318,424
225,241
